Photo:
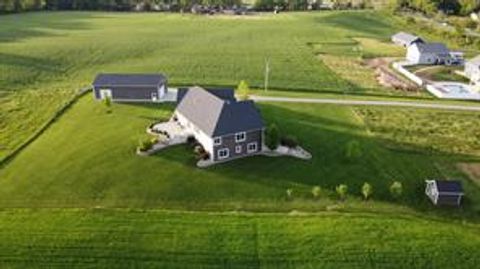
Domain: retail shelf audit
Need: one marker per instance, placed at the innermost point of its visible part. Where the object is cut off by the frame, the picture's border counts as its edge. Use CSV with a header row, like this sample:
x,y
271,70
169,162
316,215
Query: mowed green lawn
x,y
87,159
46,57
157,239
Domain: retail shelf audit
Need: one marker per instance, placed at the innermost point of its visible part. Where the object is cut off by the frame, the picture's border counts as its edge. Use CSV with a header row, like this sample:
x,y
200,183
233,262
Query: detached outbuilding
x,y
130,87
405,39
444,192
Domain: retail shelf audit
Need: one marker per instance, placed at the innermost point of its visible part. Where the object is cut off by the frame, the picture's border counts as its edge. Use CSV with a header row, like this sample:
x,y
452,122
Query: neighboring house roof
x,y
225,94
216,116
436,48
475,60
449,186
128,80
406,37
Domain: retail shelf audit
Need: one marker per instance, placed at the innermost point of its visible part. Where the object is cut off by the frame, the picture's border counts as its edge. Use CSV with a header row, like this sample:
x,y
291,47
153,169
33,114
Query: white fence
x,y
399,66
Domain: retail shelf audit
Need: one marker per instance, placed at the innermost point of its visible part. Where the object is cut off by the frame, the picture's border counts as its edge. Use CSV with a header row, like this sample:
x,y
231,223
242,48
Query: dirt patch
x,y
472,170
389,78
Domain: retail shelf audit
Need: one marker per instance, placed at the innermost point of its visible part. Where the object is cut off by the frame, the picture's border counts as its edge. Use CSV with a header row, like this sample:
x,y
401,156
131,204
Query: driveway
x,y
413,104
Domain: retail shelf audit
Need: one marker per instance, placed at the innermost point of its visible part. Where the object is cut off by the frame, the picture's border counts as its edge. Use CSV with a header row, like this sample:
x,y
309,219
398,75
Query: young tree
x,y
316,191
353,150
272,136
396,189
108,103
342,191
289,193
243,90
367,190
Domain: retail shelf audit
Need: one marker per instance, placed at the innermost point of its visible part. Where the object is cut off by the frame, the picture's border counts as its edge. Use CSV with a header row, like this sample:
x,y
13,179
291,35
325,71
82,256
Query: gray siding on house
x,y
129,93
228,141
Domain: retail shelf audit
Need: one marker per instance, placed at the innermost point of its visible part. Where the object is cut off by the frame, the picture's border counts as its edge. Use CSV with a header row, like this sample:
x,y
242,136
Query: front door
x,y
105,93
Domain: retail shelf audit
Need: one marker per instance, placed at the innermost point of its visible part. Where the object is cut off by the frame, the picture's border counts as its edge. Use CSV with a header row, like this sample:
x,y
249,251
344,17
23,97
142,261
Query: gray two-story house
x,y
225,127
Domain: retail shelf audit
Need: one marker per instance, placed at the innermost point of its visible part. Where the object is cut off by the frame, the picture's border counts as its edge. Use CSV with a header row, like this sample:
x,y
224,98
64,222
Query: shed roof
x,y
451,186
216,116
129,80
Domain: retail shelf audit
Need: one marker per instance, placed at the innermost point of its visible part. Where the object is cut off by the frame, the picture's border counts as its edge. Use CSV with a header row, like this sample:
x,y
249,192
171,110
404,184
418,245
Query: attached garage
x,y
130,87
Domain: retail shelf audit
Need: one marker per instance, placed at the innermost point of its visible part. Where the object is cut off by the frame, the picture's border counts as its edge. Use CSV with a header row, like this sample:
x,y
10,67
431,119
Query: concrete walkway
x,y
412,104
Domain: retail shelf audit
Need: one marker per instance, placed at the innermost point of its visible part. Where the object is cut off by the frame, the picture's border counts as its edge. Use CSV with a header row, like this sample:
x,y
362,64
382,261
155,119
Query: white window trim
x,y
223,157
220,141
238,149
243,139
252,144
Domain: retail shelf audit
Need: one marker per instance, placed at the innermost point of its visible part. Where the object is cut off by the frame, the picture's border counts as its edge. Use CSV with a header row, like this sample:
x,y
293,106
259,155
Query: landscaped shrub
x,y
342,191
272,136
200,152
367,190
396,189
145,144
191,141
289,141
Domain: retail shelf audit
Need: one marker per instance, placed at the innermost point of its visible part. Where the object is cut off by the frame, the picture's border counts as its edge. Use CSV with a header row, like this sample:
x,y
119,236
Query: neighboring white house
x,y
472,69
429,53
406,39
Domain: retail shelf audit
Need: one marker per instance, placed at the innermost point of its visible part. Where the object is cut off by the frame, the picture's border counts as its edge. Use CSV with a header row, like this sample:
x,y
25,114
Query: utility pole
x,y
267,72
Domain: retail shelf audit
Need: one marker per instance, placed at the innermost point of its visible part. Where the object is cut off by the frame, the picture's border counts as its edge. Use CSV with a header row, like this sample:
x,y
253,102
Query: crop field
x,y
112,239
46,57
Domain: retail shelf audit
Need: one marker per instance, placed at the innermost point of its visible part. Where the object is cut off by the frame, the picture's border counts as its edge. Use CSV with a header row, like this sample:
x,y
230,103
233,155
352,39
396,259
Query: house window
x,y
240,137
252,147
217,141
238,149
223,153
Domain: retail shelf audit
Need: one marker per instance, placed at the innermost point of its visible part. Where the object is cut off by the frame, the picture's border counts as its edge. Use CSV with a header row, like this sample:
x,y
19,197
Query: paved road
x,y
413,104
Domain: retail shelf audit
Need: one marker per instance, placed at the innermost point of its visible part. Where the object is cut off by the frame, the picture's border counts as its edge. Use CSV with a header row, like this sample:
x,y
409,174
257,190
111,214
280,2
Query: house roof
x,y
223,93
451,186
216,116
475,60
438,48
129,80
406,37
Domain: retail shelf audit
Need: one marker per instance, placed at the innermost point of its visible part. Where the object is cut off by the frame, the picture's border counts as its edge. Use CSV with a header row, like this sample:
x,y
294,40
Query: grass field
x,y
45,57
156,239
87,159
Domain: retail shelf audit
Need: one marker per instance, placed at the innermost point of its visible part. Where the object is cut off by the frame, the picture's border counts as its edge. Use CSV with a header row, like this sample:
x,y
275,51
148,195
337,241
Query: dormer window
x,y
240,137
217,141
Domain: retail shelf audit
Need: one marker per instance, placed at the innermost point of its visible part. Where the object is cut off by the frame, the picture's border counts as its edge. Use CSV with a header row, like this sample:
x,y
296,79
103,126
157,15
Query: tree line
x,y
177,5
429,7
432,7
109,5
